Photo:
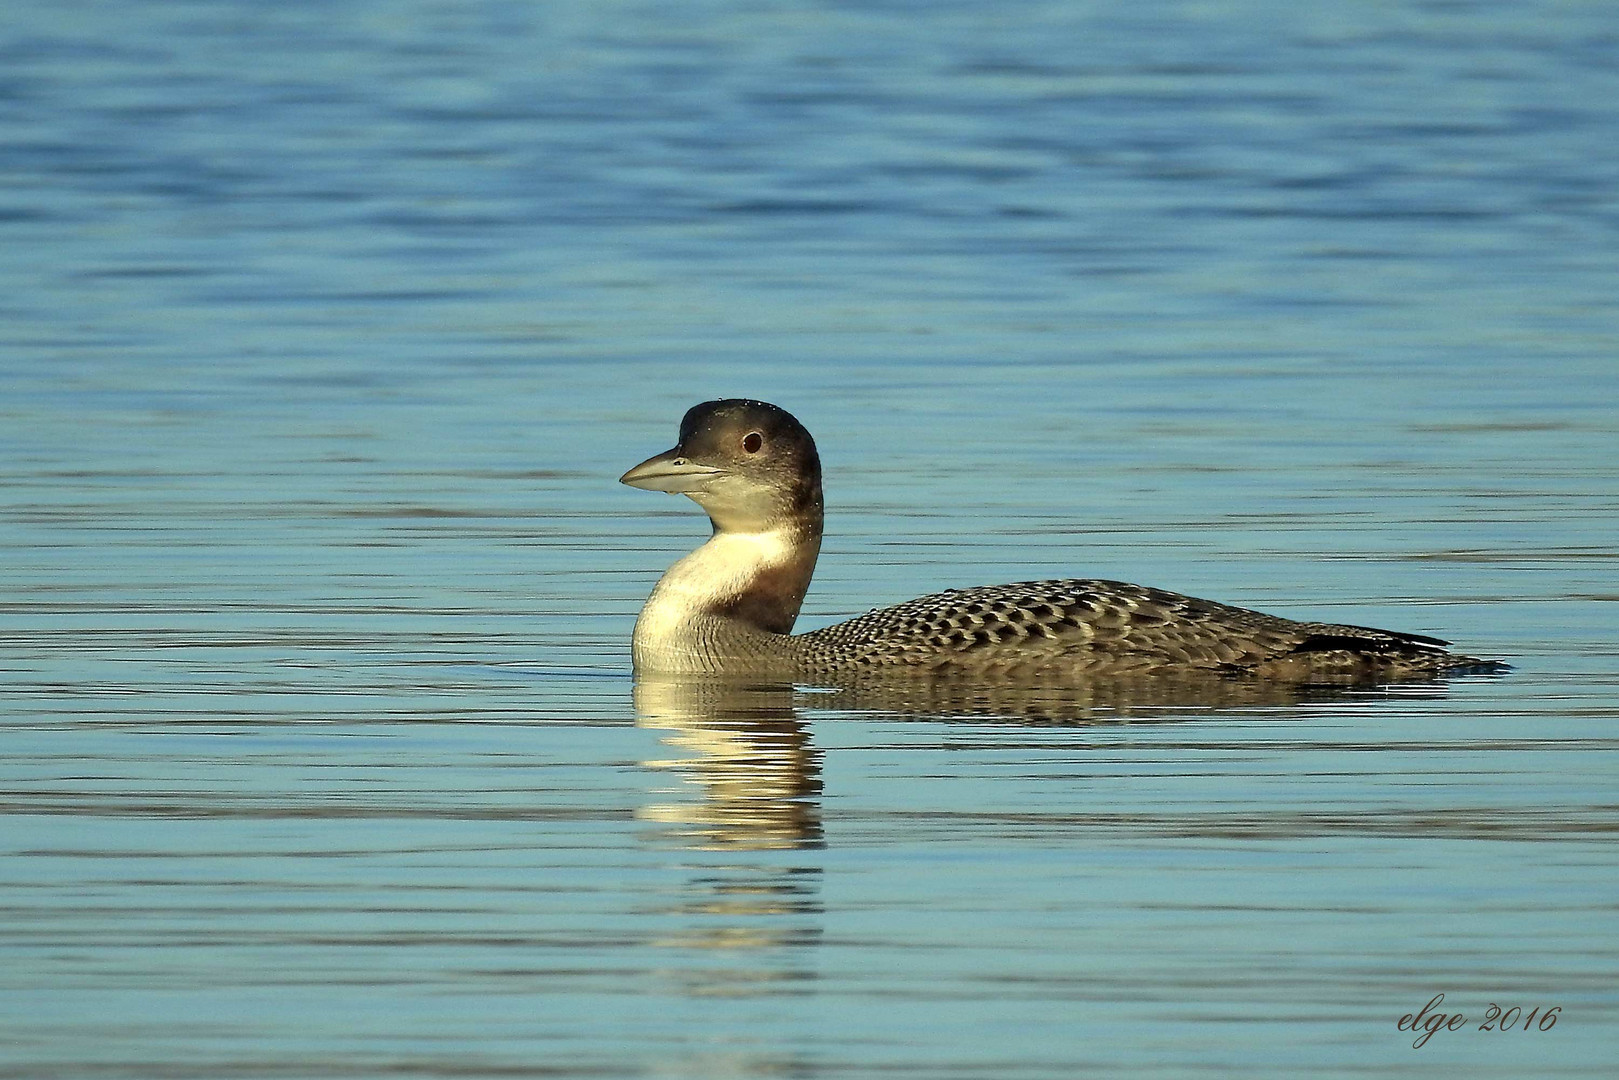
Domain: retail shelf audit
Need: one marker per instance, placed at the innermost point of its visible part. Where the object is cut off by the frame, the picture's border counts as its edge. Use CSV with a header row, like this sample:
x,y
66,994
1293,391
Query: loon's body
x,y
729,606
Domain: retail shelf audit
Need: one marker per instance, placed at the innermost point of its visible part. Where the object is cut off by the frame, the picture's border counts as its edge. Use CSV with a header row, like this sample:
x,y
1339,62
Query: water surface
x,y
324,334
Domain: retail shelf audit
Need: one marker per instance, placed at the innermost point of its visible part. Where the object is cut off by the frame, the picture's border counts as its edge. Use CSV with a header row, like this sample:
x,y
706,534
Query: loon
x,y
728,608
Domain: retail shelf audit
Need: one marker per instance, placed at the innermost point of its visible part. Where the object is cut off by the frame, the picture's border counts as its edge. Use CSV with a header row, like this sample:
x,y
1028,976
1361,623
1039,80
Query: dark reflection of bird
x,y
729,606
1081,701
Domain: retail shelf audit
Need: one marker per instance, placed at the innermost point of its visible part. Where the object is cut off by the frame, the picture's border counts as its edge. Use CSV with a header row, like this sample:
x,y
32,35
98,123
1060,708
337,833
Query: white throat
x,y
667,633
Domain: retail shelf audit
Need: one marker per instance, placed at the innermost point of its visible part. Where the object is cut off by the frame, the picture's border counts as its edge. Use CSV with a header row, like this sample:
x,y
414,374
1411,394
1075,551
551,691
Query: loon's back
x,y
1093,627
730,606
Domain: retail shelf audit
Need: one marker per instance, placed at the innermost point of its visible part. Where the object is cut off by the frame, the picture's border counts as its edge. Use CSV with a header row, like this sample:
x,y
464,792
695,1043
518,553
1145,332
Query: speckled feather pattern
x,y
1092,626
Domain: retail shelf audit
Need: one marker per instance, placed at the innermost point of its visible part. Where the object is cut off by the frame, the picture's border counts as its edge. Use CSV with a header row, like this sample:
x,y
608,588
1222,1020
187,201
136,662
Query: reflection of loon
x,y
729,606
747,750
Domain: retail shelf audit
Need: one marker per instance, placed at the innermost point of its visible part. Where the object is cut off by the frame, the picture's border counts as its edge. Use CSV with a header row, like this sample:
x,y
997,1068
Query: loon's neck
x,y
731,594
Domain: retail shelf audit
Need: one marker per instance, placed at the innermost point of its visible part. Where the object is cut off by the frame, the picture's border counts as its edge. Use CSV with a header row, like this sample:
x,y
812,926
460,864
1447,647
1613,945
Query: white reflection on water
x,y
748,755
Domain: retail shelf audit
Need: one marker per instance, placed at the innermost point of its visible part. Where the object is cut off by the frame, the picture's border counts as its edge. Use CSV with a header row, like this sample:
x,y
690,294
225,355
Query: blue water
x,y
325,331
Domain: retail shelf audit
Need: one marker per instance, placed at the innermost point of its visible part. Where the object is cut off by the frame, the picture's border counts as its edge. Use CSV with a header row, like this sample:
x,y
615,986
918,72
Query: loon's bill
x,y
729,607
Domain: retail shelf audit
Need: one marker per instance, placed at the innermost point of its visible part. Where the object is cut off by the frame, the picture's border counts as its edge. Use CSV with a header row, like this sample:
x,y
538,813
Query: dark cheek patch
x,y
805,500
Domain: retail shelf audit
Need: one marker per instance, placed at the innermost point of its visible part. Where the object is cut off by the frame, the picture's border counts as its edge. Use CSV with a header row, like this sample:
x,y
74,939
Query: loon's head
x,y
750,465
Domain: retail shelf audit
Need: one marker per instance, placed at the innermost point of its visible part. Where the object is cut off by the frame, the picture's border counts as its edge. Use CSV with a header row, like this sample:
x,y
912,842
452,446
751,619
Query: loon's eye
x,y
752,442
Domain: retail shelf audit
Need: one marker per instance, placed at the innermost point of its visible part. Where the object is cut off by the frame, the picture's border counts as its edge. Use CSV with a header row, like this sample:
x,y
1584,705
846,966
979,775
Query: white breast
x,y
715,573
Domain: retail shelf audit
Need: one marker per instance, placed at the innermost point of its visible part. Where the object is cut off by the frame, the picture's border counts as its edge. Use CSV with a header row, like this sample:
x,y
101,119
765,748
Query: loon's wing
x,y
1090,625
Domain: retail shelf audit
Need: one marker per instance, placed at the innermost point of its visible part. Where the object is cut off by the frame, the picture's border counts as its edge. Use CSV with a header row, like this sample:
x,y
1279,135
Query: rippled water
x,y
325,331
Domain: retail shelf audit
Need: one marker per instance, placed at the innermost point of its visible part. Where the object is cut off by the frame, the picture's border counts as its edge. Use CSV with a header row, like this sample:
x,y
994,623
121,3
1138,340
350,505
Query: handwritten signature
x,y
1429,1020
